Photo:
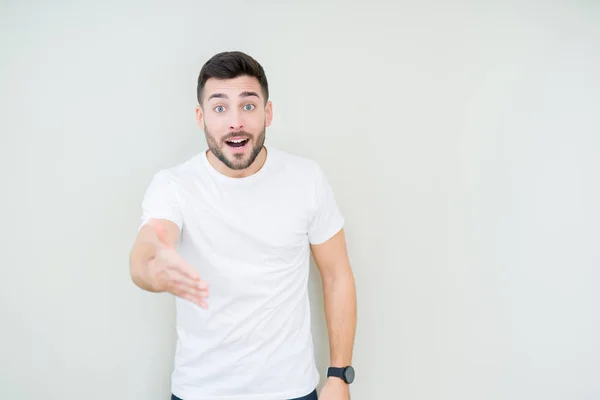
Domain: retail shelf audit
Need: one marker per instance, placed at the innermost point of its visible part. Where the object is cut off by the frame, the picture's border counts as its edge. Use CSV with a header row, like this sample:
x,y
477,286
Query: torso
x,y
248,239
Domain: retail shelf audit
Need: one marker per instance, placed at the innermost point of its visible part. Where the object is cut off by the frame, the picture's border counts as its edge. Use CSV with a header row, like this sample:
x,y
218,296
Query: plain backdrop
x,y
462,140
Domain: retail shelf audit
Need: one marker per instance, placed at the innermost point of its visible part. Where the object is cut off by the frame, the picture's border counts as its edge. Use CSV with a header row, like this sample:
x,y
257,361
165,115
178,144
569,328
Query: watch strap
x,y
335,372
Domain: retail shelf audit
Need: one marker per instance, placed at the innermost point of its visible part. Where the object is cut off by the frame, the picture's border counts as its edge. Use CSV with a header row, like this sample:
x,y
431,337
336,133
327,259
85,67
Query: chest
x,y
264,225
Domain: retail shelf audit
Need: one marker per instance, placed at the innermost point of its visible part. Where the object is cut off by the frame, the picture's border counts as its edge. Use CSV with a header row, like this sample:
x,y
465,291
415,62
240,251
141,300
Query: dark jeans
x,y
311,396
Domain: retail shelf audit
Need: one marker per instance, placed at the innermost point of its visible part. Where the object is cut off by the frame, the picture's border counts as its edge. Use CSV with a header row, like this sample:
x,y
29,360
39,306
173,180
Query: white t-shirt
x,y
249,239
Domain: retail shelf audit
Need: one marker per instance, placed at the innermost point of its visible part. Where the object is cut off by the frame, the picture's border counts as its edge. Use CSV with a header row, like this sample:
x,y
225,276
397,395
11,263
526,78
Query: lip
x,y
237,138
239,149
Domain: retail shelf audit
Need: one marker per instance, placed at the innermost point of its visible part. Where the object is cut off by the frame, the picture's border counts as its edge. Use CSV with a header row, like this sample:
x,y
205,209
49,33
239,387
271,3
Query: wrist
x,y
336,380
343,374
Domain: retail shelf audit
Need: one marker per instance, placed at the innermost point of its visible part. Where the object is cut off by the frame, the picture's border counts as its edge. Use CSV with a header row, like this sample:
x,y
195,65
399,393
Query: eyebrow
x,y
224,96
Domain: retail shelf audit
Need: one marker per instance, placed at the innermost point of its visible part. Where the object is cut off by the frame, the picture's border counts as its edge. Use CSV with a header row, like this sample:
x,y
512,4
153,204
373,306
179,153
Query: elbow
x,y
338,276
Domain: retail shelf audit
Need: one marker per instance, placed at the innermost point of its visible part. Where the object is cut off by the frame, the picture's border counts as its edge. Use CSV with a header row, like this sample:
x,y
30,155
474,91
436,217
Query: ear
x,y
199,116
268,113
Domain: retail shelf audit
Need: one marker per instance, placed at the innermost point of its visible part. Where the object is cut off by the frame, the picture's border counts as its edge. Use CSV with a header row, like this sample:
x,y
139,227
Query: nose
x,y
236,123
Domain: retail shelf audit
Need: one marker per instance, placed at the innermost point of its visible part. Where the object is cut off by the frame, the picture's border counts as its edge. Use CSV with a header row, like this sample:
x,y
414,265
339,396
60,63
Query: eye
x,y
249,107
219,109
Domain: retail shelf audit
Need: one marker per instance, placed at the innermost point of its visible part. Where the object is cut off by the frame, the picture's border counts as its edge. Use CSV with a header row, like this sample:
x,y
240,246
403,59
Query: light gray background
x,y
462,140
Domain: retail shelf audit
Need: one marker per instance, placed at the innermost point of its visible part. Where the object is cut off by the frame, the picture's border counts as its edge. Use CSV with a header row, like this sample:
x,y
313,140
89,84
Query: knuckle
x,y
177,286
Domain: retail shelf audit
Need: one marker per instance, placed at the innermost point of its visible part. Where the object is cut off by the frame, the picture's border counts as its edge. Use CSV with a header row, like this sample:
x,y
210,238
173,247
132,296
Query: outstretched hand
x,y
169,272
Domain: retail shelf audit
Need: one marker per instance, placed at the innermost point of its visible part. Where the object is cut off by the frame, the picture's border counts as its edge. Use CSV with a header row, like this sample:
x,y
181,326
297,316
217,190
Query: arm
x,y
155,266
339,296
145,248
328,245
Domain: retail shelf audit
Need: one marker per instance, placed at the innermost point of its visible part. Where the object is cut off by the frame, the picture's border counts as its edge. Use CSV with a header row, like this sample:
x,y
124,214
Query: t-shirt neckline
x,y
239,181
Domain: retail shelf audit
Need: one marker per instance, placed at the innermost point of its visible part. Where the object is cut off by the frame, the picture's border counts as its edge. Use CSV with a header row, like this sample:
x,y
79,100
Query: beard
x,y
236,161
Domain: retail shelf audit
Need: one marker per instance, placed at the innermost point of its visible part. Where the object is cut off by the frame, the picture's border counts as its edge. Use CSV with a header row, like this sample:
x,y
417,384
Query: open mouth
x,y
236,142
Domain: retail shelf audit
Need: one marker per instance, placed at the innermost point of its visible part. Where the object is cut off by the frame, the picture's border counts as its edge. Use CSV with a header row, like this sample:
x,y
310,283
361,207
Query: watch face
x,y
349,374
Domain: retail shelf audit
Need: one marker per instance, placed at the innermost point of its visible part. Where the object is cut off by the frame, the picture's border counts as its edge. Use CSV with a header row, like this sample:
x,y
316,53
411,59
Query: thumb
x,y
161,233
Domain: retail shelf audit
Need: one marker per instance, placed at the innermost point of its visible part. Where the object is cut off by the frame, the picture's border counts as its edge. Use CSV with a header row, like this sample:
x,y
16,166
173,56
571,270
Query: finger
x,y
194,299
195,291
179,269
190,272
190,286
200,297
201,292
177,264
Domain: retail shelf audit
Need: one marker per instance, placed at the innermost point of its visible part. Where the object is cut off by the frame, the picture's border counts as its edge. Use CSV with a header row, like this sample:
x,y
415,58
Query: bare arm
x,y
145,248
339,295
155,266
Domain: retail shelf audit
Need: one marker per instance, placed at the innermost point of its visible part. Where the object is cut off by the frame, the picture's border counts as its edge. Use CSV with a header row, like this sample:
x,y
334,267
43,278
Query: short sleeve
x,y
161,201
327,219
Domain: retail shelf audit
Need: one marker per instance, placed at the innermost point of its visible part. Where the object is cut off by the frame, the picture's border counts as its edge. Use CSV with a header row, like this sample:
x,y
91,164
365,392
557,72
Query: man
x,y
240,221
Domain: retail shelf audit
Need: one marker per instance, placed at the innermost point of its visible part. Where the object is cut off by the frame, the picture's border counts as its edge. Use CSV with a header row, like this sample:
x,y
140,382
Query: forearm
x,y
142,254
340,314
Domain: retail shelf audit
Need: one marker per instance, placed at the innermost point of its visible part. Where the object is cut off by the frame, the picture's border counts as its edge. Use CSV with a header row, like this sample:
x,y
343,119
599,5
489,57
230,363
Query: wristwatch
x,y
344,373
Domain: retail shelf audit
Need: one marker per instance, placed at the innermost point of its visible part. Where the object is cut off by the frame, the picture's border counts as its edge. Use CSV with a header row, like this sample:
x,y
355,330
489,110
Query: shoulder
x,y
178,174
295,165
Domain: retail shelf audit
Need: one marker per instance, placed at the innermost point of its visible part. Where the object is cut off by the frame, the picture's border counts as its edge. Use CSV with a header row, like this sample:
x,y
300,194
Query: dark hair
x,y
229,65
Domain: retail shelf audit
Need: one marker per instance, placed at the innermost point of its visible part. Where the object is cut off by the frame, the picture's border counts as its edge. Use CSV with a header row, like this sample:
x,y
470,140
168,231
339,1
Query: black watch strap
x,y
344,373
335,372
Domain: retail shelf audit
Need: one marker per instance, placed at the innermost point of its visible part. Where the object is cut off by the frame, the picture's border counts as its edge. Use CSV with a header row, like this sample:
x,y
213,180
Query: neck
x,y
238,173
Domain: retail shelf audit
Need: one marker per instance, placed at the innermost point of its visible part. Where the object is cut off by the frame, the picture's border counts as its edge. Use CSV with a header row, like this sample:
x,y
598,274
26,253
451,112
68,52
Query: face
x,y
234,118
